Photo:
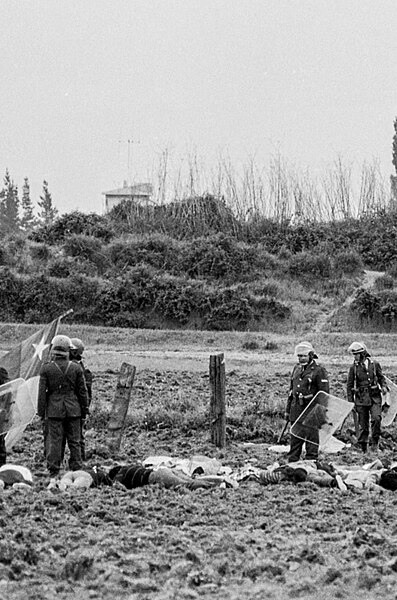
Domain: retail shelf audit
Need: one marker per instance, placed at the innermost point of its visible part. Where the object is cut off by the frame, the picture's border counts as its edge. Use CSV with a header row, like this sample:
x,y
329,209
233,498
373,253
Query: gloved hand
x,y
385,389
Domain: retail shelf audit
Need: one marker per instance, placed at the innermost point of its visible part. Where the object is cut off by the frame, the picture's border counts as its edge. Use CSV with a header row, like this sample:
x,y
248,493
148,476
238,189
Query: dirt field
x,y
257,542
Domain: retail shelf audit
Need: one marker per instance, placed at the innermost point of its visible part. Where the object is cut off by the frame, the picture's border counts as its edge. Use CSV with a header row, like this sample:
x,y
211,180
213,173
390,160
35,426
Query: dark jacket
x,y
306,381
87,376
364,382
62,390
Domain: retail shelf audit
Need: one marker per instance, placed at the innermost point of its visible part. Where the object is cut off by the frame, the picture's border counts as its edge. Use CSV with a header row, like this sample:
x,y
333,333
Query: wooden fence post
x,y
218,405
120,405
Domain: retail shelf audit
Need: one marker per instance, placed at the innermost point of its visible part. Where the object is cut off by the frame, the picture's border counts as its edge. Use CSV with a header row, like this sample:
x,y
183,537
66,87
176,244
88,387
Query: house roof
x,y
139,189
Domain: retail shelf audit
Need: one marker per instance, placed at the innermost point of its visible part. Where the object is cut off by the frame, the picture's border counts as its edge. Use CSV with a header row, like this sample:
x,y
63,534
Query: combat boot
x,y
364,447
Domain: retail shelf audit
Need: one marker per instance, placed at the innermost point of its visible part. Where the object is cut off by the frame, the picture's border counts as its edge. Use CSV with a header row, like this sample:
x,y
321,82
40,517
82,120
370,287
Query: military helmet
x,y
78,344
357,348
61,344
303,348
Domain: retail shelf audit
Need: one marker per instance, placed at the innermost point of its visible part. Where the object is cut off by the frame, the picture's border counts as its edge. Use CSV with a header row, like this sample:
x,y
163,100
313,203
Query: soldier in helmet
x,y
307,379
76,355
63,401
365,386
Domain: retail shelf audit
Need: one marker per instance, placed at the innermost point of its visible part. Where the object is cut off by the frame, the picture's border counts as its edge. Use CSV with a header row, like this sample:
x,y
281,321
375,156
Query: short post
x,y
120,405
218,405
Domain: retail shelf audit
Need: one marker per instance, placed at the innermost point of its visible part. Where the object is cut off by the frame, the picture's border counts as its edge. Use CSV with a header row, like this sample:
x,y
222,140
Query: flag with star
x,y
23,363
25,359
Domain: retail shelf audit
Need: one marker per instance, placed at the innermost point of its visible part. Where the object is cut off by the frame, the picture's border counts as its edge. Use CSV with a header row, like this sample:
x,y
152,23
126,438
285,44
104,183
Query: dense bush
x,y
193,263
308,265
347,263
391,270
191,217
366,304
384,282
74,223
11,290
66,266
218,257
158,250
87,249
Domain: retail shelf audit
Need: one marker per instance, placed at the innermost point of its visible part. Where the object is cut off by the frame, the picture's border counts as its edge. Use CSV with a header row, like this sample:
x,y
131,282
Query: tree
x,y
48,212
28,219
9,204
393,178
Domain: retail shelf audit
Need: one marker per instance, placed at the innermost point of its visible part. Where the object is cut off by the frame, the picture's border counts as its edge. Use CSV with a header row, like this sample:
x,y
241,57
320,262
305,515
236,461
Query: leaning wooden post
x,y
218,405
120,405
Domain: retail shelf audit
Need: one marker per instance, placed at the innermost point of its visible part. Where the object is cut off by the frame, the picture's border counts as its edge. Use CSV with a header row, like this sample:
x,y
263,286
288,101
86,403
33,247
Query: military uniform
x,y
306,381
63,401
88,382
364,383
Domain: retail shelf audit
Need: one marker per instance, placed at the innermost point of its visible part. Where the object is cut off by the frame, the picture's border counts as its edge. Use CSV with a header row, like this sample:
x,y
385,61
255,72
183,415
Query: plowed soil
x,y
277,541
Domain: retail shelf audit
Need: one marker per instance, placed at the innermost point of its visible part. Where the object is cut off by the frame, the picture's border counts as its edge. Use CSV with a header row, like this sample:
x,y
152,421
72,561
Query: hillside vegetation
x,y
194,264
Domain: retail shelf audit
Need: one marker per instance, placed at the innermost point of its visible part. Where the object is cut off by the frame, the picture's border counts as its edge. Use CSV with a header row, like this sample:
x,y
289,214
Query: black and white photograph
x,y
198,299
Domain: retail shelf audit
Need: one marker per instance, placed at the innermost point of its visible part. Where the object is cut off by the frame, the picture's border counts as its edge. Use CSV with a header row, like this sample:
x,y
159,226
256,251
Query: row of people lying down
x,y
373,476
130,476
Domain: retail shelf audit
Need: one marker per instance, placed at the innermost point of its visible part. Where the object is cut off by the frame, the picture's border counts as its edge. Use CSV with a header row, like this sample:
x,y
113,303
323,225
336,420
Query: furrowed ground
x,y
277,541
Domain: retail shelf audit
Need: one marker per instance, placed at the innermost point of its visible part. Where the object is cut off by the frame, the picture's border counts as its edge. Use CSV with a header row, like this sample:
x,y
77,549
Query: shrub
x,y
348,263
392,270
190,217
366,304
65,266
87,249
266,288
158,251
230,310
218,257
39,252
306,265
11,290
74,223
384,282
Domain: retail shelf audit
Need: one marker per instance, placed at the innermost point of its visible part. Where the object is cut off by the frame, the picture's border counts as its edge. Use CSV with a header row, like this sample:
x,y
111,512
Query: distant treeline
x,y
191,264
373,236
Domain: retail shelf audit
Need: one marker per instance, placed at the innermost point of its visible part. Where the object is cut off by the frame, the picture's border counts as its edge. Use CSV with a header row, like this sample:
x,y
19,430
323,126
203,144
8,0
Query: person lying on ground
x,y
15,476
132,476
82,479
327,475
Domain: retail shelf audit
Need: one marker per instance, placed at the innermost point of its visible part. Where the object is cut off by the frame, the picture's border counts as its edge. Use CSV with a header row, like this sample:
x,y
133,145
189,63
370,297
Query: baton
x,y
280,437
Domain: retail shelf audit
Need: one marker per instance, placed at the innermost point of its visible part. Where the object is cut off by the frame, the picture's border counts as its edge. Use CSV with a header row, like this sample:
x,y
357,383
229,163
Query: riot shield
x,y
390,400
321,418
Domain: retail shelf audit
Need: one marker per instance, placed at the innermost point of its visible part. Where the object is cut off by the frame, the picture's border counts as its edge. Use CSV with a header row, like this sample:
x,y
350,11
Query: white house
x,y
141,193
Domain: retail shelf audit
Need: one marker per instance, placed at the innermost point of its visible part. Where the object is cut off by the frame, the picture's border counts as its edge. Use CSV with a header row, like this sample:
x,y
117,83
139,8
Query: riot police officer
x,y
365,386
307,379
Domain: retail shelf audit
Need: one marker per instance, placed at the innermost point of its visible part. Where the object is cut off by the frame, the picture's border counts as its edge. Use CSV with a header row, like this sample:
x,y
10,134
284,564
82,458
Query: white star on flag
x,y
39,348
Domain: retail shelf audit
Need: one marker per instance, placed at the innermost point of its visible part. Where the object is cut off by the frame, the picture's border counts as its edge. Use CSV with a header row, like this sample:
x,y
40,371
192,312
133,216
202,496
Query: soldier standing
x,y
63,401
365,386
307,379
76,355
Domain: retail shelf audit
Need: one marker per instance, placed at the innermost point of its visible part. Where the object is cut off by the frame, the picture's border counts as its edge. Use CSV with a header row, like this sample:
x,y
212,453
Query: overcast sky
x,y
309,79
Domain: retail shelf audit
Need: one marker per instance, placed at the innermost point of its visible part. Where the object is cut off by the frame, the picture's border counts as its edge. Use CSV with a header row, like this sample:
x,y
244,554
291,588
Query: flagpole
x,y
68,312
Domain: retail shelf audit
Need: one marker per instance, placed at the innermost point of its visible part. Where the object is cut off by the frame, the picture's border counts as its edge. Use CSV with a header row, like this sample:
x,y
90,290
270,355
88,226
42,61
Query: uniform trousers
x,y
366,414
57,429
296,447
